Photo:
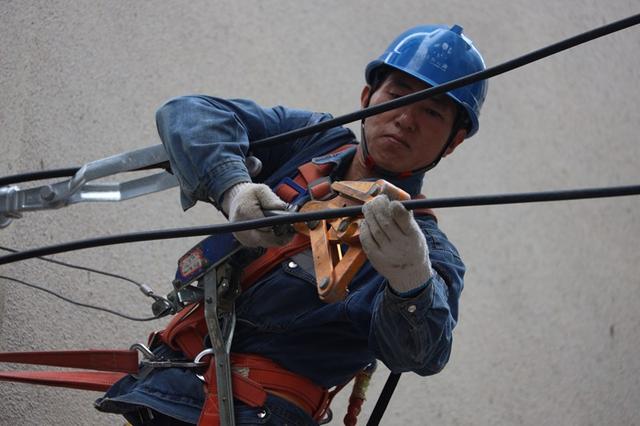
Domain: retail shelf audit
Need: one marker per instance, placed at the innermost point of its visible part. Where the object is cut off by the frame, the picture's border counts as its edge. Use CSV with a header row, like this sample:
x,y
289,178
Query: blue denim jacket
x,y
281,316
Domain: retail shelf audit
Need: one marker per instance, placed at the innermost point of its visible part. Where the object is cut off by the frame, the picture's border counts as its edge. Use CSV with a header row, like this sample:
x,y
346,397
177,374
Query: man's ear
x,y
365,96
457,140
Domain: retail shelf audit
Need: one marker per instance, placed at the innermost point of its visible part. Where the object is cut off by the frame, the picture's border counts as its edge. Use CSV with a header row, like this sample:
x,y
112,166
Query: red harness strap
x,y
186,331
271,258
112,366
253,377
85,380
308,174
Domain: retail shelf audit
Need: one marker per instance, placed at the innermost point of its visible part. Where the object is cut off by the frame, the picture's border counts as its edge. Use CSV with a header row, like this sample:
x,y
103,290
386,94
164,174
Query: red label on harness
x,y
192,262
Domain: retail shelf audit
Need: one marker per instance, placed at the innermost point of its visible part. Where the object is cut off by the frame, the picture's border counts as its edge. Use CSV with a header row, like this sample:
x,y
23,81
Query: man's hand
x,y
394,244
246,201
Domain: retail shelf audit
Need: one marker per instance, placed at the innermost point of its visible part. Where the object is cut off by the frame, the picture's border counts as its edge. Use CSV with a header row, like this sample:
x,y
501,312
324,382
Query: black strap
x,y
383,399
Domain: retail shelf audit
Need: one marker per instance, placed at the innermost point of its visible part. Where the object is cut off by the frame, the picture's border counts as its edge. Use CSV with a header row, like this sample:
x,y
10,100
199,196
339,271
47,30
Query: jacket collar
x,y
341,161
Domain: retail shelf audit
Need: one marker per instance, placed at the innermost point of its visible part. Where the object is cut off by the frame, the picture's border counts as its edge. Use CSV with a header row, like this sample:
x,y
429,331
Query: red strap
x,y
86,380
96,359
272,257
286,192
244,389
252,377
311,171
186,331
113,363
273,377
320,189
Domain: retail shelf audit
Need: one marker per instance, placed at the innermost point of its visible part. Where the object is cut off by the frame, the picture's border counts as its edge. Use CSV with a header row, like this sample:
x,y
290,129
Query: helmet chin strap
x,y
371,164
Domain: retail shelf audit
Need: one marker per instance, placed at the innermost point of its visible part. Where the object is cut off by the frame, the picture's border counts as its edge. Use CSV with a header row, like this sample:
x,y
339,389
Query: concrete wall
x,y
549,328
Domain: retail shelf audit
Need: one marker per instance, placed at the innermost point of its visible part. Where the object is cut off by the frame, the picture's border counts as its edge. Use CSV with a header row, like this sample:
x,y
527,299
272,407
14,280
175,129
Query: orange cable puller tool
x,y
333,271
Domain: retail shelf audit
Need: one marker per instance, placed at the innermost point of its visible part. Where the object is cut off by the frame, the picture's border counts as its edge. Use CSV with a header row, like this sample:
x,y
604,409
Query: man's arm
x,y
413,318
207,140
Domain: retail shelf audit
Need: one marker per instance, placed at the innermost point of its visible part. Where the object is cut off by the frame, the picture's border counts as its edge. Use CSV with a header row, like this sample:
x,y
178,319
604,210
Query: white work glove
x,y
394,244
246,201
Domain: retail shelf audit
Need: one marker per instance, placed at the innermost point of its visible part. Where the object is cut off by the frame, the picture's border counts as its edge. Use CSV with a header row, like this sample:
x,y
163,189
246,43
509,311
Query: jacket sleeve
x,y
207,141
415,333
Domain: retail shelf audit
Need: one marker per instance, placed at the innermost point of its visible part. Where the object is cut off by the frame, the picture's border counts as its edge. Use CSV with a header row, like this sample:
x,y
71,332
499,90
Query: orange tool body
x,y
333,271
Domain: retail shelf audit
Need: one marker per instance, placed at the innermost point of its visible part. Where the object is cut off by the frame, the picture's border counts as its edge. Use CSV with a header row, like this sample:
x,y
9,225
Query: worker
x,y
402,304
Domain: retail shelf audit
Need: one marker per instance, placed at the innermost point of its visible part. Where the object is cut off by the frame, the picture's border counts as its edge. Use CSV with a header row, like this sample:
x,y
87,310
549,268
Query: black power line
x,y
454,84
288,218
396,103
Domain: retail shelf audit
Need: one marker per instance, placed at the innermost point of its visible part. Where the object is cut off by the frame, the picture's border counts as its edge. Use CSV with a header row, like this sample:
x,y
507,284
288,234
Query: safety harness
x,y
251,377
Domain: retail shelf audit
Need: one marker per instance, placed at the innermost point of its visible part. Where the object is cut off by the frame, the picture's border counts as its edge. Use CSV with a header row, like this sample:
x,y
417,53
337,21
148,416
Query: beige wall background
x,y
550,325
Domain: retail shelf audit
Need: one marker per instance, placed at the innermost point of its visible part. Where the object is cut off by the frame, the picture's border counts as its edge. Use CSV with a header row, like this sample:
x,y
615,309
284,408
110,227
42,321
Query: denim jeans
x,y
276,412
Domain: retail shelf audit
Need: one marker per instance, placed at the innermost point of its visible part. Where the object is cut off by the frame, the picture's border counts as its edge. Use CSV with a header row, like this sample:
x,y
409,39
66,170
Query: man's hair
x,y
378,77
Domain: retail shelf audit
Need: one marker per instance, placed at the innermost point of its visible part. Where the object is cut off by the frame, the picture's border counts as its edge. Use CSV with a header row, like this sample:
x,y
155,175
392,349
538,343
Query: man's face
x,y
413,136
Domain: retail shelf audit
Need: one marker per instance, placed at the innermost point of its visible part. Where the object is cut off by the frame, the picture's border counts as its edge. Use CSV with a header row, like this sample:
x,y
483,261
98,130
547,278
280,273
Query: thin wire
x,y
289,218
84,305
83,268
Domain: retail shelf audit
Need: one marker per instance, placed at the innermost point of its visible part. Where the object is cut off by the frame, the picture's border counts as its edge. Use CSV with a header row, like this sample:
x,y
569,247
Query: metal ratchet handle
x,y
14,200
221,342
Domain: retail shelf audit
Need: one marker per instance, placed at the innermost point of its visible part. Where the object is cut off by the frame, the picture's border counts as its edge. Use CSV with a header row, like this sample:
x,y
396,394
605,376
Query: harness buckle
x,y
150,361
198,358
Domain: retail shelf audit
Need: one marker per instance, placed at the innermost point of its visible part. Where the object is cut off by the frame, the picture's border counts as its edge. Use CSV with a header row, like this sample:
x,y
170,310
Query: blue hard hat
x,y
437,54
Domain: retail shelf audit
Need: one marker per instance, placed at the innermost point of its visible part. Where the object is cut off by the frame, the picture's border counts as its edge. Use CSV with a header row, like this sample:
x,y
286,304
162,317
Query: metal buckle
x,y
197,359
150,360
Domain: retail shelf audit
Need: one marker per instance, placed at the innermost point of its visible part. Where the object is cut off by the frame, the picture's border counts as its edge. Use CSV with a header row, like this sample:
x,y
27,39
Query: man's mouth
x,y
397,139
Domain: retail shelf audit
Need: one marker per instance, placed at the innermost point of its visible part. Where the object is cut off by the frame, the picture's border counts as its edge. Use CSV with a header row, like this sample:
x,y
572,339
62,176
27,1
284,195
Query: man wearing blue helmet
x,y
402,304
419,58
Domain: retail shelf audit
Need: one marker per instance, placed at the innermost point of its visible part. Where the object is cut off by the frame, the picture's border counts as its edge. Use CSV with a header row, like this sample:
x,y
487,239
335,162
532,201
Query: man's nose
x,y
406,119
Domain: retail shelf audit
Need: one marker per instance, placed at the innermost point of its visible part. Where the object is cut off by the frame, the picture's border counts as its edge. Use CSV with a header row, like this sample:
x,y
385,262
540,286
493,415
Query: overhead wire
x,y
454,84
289,218
496,70
350,211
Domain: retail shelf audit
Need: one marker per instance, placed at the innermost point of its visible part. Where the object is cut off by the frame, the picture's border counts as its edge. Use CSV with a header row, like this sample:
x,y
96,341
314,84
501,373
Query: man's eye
x,y
432,113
